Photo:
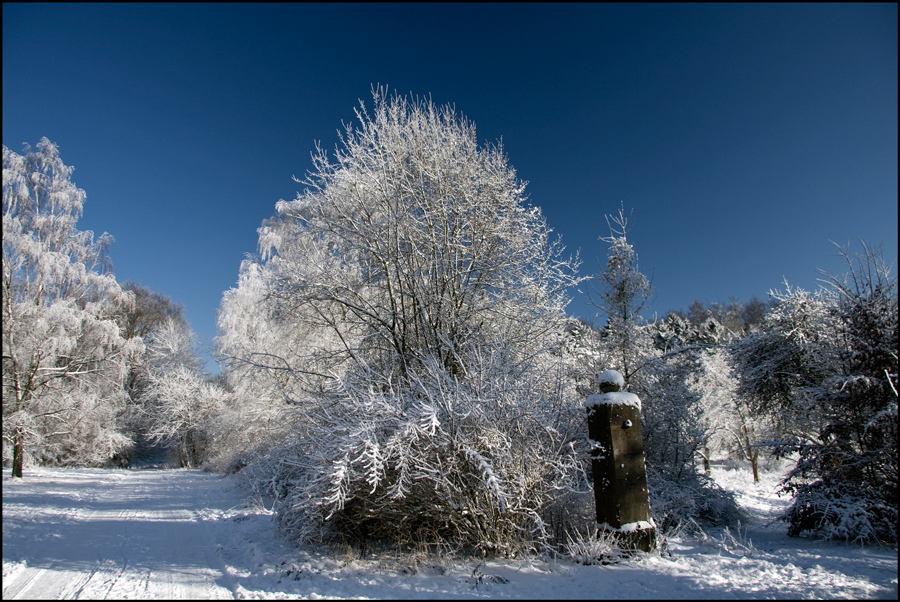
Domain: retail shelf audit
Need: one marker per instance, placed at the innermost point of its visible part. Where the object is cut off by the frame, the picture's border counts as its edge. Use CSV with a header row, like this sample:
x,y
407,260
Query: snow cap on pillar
x,y
610,381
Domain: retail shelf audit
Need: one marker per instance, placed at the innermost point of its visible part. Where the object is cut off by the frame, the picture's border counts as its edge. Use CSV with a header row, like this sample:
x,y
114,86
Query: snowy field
x,y
106,534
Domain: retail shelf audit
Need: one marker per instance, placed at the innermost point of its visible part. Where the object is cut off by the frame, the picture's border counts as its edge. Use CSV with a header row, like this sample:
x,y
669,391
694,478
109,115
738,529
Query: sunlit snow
x,y
90,533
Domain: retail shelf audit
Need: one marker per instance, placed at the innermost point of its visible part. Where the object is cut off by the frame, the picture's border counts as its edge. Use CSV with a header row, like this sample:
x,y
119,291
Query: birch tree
x,y
64,358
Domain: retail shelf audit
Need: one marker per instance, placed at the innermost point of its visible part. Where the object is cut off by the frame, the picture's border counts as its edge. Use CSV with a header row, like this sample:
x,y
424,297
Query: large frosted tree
x,y
64,359
412,277
414,240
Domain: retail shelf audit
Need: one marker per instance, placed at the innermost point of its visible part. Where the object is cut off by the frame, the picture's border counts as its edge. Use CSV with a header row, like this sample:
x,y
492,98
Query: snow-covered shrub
x,y
430,457
827,364
692,498
842,512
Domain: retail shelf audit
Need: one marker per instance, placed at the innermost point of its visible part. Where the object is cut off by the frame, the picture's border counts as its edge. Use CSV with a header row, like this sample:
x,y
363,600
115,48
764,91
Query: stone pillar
x,y
617,459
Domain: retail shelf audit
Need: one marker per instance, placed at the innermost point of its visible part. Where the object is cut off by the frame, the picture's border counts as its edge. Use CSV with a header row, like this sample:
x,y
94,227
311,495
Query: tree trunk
x,y
18,452
754,461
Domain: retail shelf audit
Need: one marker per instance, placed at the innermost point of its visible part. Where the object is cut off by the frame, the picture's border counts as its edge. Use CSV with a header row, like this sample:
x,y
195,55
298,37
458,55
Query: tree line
x,y
397,362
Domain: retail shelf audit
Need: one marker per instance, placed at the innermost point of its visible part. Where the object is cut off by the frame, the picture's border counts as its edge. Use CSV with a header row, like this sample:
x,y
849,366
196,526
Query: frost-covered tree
x,y
143,319
623,293
273,362
736,317
724,417
414,240
826,364
64,357
780,364
272,355
734,429
151,310
409,264
180,403
707,331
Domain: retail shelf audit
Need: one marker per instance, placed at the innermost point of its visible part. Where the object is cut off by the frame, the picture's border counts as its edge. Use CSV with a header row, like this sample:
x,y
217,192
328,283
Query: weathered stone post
x,y
617,460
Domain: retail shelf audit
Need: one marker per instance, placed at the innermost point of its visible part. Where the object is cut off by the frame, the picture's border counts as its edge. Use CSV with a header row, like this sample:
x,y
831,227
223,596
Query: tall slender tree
x,y
623,293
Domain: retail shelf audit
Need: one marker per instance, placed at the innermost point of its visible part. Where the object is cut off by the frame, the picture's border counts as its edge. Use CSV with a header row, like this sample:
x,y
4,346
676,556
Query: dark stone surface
x,y
620,475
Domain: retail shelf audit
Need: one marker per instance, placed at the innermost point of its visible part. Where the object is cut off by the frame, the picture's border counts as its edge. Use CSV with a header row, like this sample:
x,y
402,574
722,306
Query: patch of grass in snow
x,y
594,547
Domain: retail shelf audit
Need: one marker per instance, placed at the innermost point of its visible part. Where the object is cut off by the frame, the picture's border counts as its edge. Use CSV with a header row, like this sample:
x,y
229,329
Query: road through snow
x,y
167,534
114,534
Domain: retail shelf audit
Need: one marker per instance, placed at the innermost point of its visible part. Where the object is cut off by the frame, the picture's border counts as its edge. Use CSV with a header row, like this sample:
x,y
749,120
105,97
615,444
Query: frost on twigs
x,y
64,358
428,458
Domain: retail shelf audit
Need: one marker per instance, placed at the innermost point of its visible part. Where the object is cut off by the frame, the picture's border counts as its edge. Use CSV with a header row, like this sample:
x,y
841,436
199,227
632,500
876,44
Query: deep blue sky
x,y
744,137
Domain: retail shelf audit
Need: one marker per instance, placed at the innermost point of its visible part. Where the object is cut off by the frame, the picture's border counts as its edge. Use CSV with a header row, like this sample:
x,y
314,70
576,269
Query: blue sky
x,y
744,137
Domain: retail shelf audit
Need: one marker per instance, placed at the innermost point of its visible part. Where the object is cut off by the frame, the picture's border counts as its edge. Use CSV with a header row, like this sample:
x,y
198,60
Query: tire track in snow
x,y
34,578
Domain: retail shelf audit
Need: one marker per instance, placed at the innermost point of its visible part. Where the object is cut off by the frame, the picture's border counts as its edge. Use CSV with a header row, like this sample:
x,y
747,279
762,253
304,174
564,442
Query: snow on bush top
x,y
618,398
611,377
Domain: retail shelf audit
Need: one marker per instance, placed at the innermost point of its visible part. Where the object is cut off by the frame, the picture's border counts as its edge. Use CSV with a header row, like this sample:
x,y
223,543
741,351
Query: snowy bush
x,y
827,365
594,546
693,498
842,512
474,462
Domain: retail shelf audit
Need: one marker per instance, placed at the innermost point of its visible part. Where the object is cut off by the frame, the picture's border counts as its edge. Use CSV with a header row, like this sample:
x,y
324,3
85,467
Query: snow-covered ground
x,y
87,533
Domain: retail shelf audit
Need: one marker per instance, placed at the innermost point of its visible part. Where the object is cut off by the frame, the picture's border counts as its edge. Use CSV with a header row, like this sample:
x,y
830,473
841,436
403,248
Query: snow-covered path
x,y
113,534
107,534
